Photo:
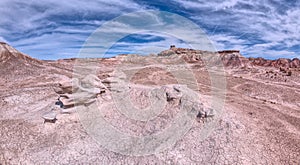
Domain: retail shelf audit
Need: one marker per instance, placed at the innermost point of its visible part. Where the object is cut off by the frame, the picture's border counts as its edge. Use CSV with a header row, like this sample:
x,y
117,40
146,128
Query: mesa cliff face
x,y
231,58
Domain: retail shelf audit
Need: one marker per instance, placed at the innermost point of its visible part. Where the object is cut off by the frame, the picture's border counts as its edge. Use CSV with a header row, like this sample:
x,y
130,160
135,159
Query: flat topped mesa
x,y
229,51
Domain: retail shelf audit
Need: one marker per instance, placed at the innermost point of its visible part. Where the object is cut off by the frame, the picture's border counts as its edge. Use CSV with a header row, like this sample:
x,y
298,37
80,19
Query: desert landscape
x,y
55,111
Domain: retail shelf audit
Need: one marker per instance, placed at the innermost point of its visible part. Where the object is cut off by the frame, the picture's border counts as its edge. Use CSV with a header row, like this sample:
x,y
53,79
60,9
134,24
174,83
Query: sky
x,y
56,29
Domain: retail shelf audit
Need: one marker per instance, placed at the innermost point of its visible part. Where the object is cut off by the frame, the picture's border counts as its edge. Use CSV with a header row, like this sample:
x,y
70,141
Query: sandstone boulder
x,y
80,92
49,117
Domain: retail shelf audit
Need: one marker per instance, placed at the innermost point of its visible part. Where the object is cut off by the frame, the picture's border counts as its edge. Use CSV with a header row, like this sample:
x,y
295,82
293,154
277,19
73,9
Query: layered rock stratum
x,y
46,106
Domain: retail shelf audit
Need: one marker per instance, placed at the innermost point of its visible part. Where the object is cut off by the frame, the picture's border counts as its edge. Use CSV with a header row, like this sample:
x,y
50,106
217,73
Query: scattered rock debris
x,y
50,117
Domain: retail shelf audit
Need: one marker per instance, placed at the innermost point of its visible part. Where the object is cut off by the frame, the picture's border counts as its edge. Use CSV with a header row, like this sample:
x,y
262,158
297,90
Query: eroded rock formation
x,y
80,92
282,62
230,58
83,92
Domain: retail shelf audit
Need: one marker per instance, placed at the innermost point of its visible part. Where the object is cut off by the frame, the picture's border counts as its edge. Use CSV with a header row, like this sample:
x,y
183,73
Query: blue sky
x,y
53,29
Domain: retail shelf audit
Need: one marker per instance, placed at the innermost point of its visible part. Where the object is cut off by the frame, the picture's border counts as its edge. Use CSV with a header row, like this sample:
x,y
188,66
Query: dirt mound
x,y
10,55
14,62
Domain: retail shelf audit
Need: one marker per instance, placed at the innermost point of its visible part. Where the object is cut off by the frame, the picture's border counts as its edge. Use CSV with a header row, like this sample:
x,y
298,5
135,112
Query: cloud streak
x,y
250,24
57,29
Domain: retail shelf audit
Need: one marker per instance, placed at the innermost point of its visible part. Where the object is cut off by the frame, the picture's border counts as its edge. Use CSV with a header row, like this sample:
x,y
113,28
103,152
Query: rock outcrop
x,y
79,92
233,58
282,62
230,58
49,117
9,55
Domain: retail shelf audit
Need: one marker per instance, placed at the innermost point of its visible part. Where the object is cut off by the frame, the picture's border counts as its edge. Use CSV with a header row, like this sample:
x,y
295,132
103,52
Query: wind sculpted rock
x,y
80,92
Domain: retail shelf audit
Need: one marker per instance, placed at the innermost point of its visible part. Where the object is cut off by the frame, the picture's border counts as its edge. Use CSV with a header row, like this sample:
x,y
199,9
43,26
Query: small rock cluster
x,y
286,70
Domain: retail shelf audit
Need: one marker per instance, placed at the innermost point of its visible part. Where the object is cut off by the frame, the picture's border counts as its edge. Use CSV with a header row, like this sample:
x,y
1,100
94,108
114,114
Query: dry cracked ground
x,y
259,123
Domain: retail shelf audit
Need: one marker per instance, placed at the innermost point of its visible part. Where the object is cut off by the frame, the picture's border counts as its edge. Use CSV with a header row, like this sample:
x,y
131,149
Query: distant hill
x,y
14,62
231,58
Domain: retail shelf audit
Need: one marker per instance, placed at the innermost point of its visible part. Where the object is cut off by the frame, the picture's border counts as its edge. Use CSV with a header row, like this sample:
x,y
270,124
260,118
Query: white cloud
x,y
3,39
164,25
41,28
20,16
271,54
59,27
262,23
216,5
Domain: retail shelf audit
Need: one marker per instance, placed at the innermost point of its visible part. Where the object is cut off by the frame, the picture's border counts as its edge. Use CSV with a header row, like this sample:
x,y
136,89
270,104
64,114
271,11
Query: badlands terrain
x,y
240,110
